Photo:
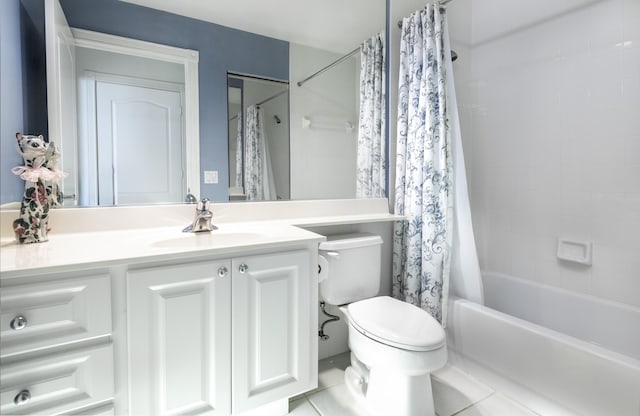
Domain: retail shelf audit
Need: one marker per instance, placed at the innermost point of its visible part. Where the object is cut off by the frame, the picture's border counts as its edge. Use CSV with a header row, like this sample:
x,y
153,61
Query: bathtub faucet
x,y
202,220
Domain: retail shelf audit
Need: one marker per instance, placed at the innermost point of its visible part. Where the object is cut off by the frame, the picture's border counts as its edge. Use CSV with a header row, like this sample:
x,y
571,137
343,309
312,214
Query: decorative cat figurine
x,y
41,187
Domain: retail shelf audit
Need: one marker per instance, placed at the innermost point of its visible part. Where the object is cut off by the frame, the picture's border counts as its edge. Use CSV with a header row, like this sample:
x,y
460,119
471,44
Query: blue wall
x,y
221,49
13,97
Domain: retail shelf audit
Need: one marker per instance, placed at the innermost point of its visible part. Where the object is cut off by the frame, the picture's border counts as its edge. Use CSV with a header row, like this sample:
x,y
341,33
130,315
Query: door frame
x,y
188,59
88,117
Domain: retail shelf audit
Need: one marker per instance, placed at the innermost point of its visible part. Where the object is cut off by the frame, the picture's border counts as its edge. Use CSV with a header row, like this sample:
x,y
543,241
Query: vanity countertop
x,y
103,248
129,234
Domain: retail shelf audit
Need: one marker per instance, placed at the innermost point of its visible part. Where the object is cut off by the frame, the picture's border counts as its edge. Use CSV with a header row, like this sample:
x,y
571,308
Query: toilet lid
x,y
396,323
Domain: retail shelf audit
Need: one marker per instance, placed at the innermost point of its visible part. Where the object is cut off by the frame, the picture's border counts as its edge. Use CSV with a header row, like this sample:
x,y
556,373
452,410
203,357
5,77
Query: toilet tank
x,y
349,267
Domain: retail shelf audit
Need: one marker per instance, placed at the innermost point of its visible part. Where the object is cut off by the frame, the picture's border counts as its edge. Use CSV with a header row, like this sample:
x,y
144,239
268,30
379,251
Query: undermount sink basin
x,y
214,238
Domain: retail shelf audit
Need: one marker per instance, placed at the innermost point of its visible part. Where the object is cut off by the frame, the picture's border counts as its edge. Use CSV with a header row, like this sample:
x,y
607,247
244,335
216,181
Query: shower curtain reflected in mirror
x,y
258,172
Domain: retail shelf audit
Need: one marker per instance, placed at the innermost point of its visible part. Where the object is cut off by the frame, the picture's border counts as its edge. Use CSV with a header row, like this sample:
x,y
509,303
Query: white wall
x,y
323,159
133,66
551,117
278,139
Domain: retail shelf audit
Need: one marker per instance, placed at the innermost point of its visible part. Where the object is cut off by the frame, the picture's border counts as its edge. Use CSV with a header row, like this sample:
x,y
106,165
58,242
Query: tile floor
x,y
455,393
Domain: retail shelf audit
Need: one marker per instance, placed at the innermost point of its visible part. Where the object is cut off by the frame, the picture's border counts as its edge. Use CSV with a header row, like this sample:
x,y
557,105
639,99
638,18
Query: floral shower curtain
x,y
424,170
371,168
258,173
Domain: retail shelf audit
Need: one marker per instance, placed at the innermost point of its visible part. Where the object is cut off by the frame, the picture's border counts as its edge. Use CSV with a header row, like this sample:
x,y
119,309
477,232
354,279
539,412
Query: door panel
x,y
140,155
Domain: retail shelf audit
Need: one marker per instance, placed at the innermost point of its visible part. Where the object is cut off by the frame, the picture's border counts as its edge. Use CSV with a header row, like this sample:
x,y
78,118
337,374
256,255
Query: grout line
x,y
317,389
314,407
473,404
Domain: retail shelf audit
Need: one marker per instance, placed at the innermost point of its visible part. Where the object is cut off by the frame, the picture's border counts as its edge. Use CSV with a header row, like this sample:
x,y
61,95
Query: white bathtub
x,y
575,350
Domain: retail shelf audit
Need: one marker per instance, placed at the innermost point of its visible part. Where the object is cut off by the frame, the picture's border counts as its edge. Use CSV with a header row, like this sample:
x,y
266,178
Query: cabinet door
x,y
274,322
179,347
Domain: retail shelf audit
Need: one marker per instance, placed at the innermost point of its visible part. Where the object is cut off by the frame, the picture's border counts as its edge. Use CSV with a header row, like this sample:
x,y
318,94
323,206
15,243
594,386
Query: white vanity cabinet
x,y
152,322
218,337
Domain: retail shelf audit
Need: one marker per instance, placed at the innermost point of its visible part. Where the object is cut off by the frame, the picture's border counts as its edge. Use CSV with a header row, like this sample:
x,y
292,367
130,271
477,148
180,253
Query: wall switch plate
x,y
210,176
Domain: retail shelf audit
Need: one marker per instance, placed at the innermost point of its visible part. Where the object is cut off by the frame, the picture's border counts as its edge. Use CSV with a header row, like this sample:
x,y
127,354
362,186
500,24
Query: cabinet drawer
x,y
42,315
58,383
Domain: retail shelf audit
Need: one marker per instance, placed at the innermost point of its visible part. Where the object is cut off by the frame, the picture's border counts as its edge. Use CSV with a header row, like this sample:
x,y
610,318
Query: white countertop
x,y
103,248
107,239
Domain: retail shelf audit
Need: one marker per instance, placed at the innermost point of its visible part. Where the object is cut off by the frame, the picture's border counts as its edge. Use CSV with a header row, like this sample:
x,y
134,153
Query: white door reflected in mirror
x,y
140,155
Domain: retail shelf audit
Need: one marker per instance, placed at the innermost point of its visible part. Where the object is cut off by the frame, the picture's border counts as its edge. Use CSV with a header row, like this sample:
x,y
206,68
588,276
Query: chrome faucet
x,y
202,220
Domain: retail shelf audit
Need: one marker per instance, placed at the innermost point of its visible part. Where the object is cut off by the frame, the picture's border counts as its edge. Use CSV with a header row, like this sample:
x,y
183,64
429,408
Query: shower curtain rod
x,y
262,102
331,65
272,97
441,3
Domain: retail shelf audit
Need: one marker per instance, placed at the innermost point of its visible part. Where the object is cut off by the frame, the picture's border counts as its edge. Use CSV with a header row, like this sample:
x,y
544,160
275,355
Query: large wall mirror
x,y
245,52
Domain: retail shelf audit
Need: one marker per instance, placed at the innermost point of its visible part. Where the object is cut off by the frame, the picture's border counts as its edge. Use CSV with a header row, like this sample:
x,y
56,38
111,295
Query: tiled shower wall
x,y
551,122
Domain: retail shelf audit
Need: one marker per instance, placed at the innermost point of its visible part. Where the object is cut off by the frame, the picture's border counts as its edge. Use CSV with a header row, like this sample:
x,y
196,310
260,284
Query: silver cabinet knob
x,y
22,398
243,268
222,271
18,323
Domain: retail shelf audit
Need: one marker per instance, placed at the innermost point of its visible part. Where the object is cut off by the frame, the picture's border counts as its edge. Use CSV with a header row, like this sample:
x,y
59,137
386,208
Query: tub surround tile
x,y
577,174
624,265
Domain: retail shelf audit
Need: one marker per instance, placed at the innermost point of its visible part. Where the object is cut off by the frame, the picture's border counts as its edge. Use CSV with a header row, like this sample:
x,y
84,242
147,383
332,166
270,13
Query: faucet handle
x,y
203,205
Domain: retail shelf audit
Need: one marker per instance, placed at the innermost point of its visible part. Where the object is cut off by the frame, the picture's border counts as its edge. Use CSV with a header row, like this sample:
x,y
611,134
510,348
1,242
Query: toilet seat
x,y
396,323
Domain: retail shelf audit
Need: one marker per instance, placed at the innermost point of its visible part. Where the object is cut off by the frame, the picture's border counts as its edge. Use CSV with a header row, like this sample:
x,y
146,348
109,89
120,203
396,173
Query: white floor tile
x,y
456,393
454,390
331,370
496,405
301,407
336,401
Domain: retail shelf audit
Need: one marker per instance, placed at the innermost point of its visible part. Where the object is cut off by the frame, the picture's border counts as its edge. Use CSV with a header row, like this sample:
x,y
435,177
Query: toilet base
x,y
384,392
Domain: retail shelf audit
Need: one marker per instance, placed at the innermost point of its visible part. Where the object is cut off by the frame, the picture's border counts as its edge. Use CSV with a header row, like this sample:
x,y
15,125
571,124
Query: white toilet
x,y
394,345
